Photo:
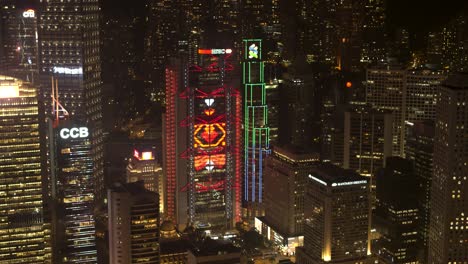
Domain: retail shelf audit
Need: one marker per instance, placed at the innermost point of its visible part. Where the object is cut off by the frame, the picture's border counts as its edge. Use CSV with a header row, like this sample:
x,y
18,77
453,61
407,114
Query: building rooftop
x,y
331,175
457,81
295,154
134,188
210,247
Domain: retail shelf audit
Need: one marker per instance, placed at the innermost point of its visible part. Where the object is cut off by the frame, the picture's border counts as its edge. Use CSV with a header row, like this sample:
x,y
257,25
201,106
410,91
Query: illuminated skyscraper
x,y
336,217
396,217
72,188
287,171
143,166
367,140
18,40
256,130
133,224
421,91
174,143
69,50
213,153
420,148
448,234
386,90
23,236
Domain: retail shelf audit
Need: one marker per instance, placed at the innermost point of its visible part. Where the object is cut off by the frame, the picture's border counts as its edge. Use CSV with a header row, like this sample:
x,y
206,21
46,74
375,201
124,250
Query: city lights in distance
x,y
214,51
9,91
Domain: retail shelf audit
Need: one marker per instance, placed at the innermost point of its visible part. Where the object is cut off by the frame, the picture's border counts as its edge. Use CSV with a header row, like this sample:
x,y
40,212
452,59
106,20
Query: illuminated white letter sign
x,y
29,13
75,132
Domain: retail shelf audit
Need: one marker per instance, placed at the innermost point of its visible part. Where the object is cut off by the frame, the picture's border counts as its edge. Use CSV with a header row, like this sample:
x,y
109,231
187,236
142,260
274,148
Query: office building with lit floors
x,y
386,90
72,191
24,237
143,166
18,40
133,224
213,142
396,218
69,45
448,233
419,149
336,217
287,169
367,139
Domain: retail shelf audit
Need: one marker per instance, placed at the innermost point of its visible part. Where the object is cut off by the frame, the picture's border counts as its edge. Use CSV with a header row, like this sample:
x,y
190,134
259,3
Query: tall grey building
x,y
448,234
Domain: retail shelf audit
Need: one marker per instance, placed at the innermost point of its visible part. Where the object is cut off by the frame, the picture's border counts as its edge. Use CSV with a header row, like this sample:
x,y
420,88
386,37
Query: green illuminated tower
x,y
256,127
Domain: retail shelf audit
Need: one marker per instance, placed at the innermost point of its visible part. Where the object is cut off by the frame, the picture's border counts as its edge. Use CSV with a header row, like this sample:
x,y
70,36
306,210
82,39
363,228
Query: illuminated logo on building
x,y
210,135
253,51
75,132
145,155
214,51
65,70
29,13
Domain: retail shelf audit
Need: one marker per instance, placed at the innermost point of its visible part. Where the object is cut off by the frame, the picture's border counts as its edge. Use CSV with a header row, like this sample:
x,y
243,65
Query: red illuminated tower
x,y
206,174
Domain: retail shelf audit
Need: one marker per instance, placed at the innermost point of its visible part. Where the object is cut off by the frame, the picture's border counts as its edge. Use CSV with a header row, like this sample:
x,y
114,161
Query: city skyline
x,y
233,131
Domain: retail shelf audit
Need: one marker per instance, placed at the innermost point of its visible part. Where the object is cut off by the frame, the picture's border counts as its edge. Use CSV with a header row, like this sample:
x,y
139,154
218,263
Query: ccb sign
x,y
75,132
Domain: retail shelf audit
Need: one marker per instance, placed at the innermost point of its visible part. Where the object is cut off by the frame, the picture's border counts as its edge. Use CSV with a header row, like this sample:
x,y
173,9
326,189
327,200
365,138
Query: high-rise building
x,y
421,91
18,40
448,234
385,91
175,143
296,122
24,237
367,139
133,224
161,41
69,51
287,171
72,192
256,130
336,217
419,148
396,217
213,149
143,166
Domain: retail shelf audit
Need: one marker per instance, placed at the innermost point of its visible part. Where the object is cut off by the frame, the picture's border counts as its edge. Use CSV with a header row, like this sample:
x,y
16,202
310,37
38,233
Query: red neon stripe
x,y
204,51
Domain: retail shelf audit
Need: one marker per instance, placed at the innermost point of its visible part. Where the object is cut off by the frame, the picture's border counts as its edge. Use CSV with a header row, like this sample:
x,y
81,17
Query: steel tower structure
x,y
214,141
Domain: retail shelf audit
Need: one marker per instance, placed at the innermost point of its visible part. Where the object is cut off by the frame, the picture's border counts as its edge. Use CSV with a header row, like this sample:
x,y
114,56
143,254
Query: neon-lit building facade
x,y
256,130
213,142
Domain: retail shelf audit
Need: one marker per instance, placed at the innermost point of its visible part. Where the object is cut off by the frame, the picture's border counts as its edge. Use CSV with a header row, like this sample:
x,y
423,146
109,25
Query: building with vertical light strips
x,y
256,130
23,234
